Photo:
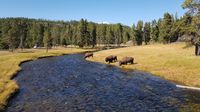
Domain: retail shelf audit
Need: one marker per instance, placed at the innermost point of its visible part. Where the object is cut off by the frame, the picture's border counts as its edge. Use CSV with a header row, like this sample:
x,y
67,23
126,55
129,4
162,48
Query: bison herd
x,y
113,58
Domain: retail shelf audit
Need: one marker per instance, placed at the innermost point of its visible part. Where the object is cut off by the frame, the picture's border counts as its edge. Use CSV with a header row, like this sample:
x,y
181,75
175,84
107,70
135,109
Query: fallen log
x,y
188,87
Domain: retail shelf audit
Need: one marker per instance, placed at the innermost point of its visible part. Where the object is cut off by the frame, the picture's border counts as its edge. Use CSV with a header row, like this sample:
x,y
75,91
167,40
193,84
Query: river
x,y
69,83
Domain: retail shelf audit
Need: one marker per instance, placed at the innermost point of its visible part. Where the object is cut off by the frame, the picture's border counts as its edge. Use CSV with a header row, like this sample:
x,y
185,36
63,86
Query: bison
x,y
111,59
88,55
126,60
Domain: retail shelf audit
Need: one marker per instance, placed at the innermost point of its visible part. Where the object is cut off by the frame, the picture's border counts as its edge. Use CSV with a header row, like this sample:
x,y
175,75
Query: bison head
x,y
120,63
106,59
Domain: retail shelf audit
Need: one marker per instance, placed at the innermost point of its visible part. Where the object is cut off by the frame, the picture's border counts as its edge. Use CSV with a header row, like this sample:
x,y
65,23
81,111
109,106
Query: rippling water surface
x,y
70,83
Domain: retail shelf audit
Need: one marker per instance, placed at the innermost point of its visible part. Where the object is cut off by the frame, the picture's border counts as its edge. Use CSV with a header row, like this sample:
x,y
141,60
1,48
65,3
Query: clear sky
x,y
113,11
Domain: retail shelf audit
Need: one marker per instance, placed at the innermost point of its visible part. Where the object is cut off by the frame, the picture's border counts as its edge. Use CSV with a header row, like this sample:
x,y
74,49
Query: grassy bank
x,y
172,62
9,66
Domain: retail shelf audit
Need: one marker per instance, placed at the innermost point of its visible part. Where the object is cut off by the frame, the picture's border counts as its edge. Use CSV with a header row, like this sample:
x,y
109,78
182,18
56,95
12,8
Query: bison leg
x,y
132,62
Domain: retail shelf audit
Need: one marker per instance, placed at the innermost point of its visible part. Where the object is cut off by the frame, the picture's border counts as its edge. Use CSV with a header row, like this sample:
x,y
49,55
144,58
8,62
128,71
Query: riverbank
x,y
173,62
9,67
75,84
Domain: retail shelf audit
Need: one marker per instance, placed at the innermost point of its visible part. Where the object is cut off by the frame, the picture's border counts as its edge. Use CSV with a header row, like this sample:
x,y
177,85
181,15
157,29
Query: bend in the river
x,y
70,83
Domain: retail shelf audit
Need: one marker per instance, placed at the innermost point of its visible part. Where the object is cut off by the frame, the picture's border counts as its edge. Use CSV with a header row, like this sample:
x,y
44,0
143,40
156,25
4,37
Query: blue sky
x,y
114,11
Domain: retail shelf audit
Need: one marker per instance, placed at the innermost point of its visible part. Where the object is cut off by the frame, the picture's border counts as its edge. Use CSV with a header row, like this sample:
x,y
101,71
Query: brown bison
x,y
88,55
111,59
126,60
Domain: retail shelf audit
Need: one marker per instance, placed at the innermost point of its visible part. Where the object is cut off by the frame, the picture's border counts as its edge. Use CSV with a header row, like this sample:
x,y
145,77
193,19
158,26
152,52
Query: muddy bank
x,y
69,83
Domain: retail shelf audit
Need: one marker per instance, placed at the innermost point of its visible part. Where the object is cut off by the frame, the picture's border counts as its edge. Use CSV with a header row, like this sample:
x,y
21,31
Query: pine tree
x,y
69,34
101,34
110,38
47,39
166,28
12,37
146,32
93,34
119,36
126,36
22,34
133,34
194,10
5,27
139,33
83,34
154,31
193,6
32,35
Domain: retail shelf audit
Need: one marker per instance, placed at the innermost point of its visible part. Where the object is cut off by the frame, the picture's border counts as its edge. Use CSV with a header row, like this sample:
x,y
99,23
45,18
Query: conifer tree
x,y
147,31
139,33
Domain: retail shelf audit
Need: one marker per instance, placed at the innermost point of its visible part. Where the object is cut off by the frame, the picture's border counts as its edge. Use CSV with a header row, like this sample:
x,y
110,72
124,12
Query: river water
x,y
69,83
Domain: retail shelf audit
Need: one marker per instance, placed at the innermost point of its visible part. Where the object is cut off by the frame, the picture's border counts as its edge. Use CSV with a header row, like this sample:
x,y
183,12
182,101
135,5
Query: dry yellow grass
x,y
172,62
9,66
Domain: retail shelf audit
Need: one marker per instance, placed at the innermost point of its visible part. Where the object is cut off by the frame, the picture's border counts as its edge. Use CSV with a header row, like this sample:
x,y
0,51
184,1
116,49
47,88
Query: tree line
x,y
27,33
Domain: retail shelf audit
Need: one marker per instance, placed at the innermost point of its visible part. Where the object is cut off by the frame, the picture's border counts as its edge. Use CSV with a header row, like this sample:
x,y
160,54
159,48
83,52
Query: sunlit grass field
x,y
173,62
9,66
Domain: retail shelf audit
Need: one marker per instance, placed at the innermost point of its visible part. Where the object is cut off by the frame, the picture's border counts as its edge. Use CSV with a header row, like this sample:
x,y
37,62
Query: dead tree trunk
x,y
197,49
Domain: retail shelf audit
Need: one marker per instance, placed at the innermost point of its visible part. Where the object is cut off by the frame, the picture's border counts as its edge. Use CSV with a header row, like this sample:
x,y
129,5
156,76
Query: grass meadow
x,y
174,62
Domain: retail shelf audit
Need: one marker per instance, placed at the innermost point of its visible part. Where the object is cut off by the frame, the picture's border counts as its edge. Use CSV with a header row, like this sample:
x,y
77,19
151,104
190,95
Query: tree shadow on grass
x,y
26,52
